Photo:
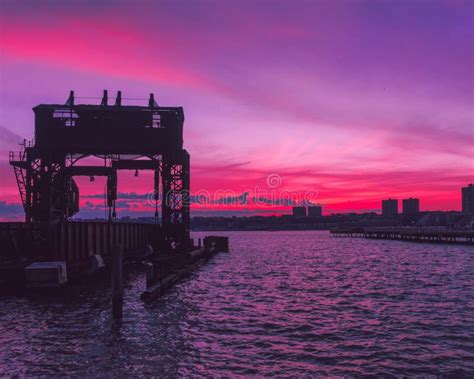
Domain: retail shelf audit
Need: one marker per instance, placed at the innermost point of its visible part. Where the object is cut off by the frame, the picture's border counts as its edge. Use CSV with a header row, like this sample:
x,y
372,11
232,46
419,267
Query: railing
x,y
16,156
28,143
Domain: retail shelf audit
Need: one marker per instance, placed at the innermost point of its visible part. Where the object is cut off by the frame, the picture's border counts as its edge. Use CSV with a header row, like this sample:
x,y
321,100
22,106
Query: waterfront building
x,y
299,211
390,208
468,199
411,207
315,211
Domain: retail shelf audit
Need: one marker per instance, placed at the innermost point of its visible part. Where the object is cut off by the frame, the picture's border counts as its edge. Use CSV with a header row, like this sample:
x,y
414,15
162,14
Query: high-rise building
x,y
390,208
299,211
315,211
411,207
468,199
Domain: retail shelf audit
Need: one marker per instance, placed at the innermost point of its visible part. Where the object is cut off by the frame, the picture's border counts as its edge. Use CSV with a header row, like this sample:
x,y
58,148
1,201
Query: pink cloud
x,y
311,93
90,45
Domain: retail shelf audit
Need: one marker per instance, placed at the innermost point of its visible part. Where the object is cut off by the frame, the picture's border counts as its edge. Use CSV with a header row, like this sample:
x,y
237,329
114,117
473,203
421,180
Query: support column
x,y
117,282
175,175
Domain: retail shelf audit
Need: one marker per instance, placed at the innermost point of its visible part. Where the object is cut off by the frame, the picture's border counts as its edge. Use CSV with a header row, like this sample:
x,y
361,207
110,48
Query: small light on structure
x,y
136,172
91,178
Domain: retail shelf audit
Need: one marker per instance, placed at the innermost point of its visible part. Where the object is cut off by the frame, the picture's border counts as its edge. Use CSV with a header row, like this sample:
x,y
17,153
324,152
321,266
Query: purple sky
x,y
356,100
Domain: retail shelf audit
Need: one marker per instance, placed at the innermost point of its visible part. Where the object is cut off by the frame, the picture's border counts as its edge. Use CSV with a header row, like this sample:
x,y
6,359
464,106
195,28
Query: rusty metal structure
x,y
123,137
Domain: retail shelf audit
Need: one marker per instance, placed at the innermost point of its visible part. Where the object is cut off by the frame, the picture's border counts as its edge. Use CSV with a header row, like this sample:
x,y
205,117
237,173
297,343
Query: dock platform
x,y
464,237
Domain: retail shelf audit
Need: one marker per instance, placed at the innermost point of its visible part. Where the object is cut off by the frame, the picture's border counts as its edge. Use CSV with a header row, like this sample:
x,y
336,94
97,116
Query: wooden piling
x,y
150,274
117,281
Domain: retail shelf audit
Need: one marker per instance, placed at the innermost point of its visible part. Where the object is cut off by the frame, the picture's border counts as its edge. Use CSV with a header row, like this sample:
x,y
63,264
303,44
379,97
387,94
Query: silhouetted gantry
x,y
124,138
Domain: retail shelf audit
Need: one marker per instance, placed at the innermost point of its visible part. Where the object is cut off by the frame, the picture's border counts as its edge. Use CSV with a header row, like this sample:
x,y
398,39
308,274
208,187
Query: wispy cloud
x,y
357,100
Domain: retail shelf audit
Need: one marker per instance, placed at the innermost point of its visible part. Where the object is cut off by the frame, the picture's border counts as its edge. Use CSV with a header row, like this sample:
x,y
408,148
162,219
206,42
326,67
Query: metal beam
x,y
135,165
89,171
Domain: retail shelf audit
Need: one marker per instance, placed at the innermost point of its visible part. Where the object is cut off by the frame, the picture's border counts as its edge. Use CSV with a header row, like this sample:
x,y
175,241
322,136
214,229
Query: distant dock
x,y
409,234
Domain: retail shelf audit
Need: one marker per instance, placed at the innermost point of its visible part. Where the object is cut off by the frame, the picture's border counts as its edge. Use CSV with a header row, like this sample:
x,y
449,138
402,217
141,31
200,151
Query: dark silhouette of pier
x,y
411,234
122,137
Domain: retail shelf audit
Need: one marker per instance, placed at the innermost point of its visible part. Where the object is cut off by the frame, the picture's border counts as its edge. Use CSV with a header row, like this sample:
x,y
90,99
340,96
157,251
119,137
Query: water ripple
x,y
280,304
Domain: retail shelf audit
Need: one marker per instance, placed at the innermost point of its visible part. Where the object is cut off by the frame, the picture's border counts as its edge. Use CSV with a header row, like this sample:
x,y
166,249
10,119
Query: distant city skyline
x,y
358,101
138,205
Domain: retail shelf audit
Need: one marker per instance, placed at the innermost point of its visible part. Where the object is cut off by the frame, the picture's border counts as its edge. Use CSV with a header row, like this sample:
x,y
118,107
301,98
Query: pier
x,y
411,234
51,248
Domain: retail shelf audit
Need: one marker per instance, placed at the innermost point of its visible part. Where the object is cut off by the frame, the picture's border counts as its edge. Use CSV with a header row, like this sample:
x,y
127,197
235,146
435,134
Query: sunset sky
x,y
353,100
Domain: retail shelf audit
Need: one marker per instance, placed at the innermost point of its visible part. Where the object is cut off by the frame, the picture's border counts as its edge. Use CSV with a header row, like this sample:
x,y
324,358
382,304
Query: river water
x,y
280,303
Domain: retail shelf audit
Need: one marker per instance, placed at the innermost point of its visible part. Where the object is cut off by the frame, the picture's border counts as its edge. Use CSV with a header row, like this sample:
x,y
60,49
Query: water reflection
x,y
286,303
